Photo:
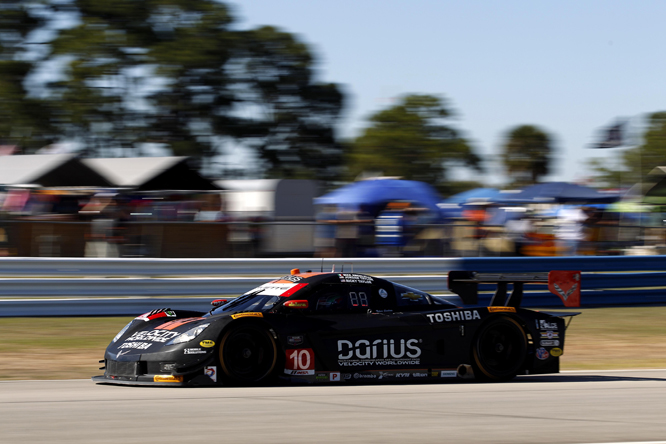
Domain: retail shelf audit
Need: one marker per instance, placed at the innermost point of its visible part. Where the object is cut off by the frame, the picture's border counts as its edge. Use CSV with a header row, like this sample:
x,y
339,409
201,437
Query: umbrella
x,y
477,195
375,193
452,207
556,192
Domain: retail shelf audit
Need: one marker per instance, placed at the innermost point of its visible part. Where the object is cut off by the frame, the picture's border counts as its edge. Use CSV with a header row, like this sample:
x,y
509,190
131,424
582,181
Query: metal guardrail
x,y
148,267
132,287
64,286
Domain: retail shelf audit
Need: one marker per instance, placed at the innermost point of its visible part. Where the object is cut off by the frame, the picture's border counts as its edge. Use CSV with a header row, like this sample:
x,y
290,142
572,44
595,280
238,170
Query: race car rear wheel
x,y
499,350
248,354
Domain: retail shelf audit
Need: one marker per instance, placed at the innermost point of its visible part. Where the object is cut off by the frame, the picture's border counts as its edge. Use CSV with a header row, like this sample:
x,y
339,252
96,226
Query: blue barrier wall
x,y
605,281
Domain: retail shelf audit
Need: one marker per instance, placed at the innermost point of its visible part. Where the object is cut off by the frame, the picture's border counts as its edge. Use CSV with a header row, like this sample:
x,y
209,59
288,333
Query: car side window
x,y
330,302
341,299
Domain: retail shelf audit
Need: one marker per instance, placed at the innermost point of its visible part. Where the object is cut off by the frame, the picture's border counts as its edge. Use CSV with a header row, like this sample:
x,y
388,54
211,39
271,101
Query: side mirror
x,y
218,302
297,303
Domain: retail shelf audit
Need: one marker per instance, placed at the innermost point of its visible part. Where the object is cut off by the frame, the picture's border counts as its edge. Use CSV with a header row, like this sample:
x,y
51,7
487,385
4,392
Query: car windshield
x,y
253,301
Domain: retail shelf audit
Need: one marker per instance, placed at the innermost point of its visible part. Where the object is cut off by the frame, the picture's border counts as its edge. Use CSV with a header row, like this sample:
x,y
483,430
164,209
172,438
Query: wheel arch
x,y
481,370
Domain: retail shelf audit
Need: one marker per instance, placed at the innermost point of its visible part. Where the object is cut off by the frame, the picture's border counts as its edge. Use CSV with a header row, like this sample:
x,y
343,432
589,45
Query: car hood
x,y
154,335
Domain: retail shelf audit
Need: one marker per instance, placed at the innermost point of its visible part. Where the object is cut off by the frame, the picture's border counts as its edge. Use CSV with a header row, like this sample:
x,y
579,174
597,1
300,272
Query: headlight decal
x,y
188,335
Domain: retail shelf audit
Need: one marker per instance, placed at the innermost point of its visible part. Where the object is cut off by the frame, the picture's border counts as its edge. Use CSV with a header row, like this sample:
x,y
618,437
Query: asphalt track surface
x,y
572,407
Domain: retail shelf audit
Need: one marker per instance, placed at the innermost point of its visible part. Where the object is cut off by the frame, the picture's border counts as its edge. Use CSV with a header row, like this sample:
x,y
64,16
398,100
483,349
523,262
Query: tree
x,y
635,164
651,153
176,72
24,121
412,139
527,154
290,119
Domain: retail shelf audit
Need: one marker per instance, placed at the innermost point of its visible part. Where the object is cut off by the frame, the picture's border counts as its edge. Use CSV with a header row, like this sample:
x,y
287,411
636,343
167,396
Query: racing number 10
x,y
300,361
356,298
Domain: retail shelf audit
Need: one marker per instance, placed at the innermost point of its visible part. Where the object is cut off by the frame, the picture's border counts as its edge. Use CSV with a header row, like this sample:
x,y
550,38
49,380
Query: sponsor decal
x,y
565,284
321,376
300,361
448,374
383,293
120,353
177,323
542,353
295,340
379,352
159,313
277,288
402,374
556,351
297,303
136,345
451,316
565,294
549,334
411,296
153,336
194,351
347,376
352,278
291,278
249,314
207,343
386,375
211,372
502,309
298,372
365,376
334,376
550,343
542,324
419,374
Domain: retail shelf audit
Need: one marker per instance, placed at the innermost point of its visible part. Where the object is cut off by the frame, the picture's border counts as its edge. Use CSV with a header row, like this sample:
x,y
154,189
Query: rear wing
x,y
565,284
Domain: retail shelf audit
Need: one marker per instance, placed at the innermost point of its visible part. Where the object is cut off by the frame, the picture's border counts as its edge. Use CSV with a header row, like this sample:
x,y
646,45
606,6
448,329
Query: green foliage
x,y
459,186
175,72
652,153
23,120
634,165
412,140
527,154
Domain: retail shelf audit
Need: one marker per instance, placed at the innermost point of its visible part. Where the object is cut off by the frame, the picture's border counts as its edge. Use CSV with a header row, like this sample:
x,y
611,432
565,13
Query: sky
x,y
571,68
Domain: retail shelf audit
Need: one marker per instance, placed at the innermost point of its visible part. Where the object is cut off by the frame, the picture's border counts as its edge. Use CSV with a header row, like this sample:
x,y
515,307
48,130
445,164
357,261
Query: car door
x,y
359,329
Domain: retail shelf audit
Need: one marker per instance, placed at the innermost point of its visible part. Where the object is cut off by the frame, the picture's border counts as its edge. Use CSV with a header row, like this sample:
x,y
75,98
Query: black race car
x,y
345,327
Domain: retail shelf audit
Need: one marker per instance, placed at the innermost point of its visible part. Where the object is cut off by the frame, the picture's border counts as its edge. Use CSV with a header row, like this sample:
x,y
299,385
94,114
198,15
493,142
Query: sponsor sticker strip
x,y
453,316
379,352
353,278
153,336
275,288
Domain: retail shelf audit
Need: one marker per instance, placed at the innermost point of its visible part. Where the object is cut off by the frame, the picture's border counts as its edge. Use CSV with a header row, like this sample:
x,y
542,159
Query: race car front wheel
x,y
499,349
248,354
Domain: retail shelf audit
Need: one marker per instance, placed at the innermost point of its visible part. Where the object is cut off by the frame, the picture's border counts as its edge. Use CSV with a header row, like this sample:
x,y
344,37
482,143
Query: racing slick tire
x,y
499,350
248,354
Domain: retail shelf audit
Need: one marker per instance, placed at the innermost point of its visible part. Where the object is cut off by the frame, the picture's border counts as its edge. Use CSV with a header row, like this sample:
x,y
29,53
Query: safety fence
x,y
126,286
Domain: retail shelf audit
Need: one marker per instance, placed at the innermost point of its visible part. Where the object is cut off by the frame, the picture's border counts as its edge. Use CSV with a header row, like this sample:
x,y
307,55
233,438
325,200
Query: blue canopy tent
x,y
477,195
374,194
556,192
452,206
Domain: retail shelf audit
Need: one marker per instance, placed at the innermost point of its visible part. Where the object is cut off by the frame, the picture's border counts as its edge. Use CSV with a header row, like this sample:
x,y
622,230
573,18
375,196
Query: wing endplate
x,y
563,283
